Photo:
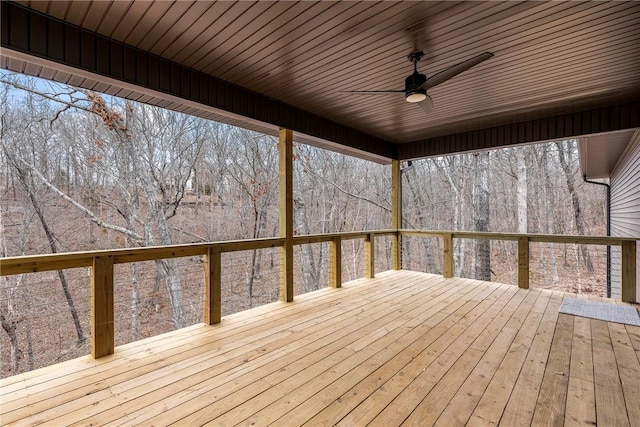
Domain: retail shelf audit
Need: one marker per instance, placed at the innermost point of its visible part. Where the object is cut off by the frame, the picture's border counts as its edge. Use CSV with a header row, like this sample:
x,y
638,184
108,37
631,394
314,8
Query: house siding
x,y
625,207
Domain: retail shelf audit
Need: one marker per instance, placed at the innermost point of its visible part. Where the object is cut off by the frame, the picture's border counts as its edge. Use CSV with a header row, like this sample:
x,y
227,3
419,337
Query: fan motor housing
x,y
414,81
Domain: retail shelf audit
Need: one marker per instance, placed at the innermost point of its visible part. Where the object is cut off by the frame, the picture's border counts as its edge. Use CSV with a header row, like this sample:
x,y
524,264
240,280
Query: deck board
x,y
404,348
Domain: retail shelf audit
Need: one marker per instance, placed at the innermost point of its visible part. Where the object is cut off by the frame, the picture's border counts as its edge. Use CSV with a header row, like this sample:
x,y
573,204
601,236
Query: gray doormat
x,y
601,311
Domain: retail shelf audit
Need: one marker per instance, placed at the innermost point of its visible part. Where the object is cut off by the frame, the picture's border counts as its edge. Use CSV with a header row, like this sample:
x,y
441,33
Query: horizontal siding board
x,y
625,205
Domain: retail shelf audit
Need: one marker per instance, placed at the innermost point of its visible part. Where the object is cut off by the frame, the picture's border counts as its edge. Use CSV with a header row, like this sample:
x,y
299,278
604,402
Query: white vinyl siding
x,y
625,207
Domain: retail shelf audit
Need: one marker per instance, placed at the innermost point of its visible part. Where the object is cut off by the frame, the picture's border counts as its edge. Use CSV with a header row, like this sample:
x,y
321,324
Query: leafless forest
x,y
84,171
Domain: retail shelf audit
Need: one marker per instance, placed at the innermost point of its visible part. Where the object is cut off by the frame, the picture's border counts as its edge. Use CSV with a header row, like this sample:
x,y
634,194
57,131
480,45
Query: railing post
x,y
523,262
447,254
396,215
629,271
335,260
369,256
285,148
102,328
212,286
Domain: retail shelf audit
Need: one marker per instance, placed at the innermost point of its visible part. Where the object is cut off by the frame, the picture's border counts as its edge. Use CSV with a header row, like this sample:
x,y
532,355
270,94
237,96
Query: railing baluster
x,y
629,271
212,286
335,260
369,256
523,262
447,255
102,328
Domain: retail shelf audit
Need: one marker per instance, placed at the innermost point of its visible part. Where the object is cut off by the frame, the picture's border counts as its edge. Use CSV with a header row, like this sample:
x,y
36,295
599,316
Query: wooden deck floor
x,y
405,348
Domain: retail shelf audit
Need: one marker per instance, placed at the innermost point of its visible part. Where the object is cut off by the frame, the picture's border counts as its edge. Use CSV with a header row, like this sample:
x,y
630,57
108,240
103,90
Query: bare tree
x,y
566,159
481,215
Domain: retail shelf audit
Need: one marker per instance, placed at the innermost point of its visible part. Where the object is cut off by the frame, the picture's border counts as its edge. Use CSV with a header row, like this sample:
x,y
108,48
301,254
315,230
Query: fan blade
x,y
371,92
454,70
427,104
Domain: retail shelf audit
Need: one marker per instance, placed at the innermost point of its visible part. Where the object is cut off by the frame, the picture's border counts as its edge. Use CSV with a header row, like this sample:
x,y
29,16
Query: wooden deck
x,y
404,348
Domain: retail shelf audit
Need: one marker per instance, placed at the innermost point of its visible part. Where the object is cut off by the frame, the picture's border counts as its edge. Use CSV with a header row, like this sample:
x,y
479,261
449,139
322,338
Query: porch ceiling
x,y
560,69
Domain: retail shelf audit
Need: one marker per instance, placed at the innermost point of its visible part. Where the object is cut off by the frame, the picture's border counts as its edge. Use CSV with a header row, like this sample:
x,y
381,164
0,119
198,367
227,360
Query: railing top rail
x,y
48,262
547,238
58,261
64,260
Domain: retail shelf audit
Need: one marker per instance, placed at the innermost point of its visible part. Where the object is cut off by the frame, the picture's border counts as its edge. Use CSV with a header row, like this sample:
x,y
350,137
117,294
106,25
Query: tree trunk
x,y
521,190
565,156
28,185
481,217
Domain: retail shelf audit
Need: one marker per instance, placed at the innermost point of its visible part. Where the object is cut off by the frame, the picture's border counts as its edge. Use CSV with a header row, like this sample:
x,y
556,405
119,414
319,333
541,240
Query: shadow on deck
x,y
404,348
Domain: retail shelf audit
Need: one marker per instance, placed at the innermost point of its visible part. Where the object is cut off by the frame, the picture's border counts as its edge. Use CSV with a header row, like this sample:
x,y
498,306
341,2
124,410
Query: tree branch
x,y
94,218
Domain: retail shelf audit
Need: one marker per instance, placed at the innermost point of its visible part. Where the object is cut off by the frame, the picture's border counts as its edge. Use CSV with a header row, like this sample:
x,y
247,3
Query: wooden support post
x,y
212,286
102,328
285,147
447,254
396,215
335,260
369,256
629,271
523,262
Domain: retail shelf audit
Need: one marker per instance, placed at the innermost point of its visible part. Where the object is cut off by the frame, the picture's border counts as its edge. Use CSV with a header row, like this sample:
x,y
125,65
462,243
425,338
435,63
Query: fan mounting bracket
x,y
414,57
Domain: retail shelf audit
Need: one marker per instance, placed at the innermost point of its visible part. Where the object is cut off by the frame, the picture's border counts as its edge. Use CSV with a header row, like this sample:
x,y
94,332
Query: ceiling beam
x,y
32,33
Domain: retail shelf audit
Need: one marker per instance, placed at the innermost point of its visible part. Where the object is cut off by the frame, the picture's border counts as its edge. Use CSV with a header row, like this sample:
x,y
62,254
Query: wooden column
x,y
335,262
447,255
285,147
396,215
102,329
212,286
523,262
629,271
369,256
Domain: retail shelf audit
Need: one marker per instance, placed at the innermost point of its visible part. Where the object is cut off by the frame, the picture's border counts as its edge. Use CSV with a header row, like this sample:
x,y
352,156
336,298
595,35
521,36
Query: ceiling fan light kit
x,y
416,96
416,85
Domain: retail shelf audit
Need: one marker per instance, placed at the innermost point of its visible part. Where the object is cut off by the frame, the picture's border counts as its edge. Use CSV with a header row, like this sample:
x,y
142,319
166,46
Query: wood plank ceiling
x,y
552,60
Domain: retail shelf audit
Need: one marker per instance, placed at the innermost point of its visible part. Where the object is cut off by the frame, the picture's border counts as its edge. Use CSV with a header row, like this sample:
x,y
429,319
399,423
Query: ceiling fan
x,y
416,85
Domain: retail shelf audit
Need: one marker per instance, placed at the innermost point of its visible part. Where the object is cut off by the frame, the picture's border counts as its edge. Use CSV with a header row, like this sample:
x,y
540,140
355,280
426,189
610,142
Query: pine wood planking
x,y
551,403
250,316
406,407
445,336
327,409
296,362
232,338
121,366
610,407
629,369
320,350
245,318
327,331
313,397
634,337
581,399
433,404
515,382
238,366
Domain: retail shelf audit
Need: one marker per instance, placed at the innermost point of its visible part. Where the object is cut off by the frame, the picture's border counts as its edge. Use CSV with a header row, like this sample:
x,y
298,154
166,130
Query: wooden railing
x,y
628,256
102,264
